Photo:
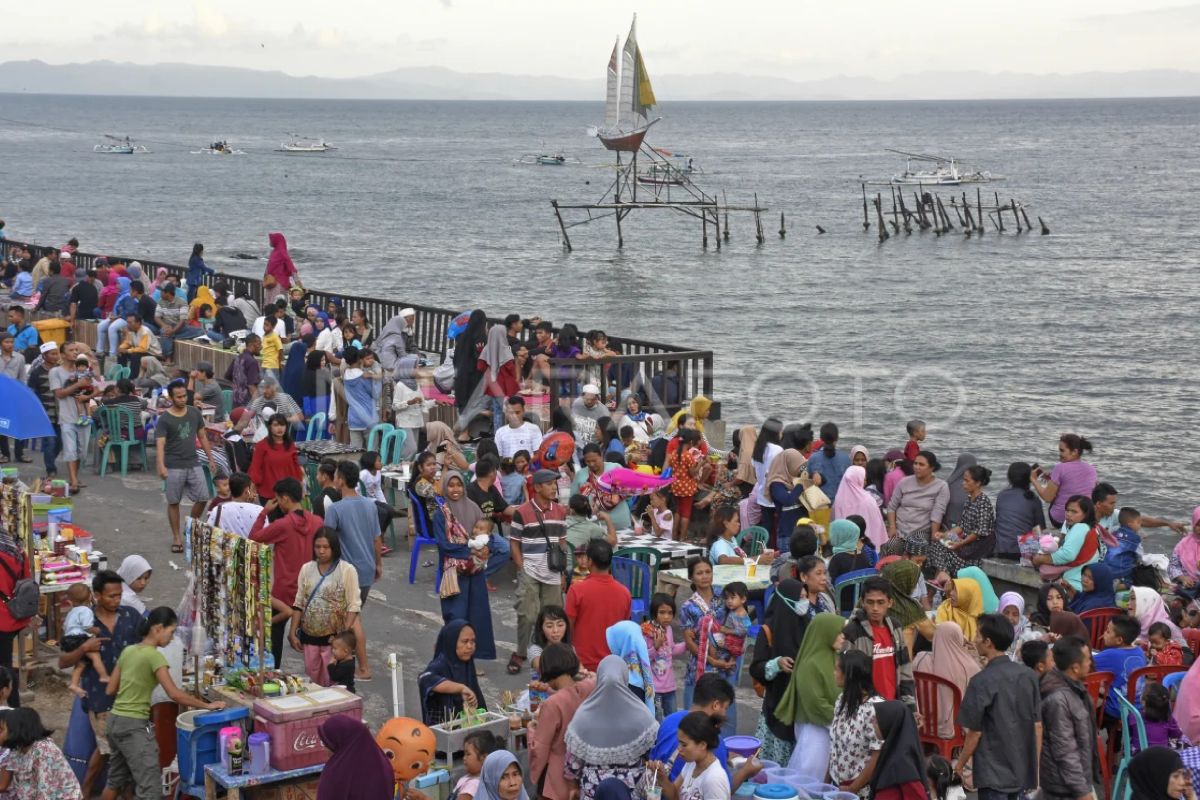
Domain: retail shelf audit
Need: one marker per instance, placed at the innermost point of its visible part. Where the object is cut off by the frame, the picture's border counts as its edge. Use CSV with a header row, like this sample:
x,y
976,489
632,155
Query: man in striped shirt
x,y
536,526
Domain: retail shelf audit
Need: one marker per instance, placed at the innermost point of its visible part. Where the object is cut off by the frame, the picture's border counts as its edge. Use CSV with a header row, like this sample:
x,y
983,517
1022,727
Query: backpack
x,y
25,598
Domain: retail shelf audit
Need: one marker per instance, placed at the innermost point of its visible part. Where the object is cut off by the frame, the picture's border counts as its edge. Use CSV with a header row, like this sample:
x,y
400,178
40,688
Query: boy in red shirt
x,y
594,604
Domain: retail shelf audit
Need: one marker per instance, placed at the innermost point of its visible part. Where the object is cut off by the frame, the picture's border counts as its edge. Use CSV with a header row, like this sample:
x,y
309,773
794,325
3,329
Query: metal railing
x,y
642,364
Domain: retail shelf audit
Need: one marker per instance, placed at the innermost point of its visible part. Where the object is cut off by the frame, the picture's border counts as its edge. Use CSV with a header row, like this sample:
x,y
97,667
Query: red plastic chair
x,y
1155,674
1098,685
929,701
1192,637
1096,621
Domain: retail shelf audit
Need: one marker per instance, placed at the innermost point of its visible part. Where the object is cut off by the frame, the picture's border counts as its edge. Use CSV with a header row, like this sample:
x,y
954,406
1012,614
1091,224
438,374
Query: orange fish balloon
x,y
409,744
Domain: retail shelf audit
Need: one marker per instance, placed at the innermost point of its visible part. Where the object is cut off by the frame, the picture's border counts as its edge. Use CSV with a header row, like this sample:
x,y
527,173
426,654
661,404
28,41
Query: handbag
x,y
813,499
23,601
556,557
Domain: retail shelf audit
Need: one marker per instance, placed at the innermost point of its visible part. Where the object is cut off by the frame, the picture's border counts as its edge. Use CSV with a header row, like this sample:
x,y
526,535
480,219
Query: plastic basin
x,y
744,746
761,777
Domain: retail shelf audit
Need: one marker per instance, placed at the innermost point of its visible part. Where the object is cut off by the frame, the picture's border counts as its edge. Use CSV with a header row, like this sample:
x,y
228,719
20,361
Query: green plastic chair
x,y
310,475
227,401
316,427
380,430
123,373
648,556
120,424
112,371
754,540
1121,788
392,446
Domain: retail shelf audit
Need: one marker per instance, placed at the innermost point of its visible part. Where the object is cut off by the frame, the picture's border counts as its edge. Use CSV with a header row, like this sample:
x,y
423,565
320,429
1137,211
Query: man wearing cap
x,y
206,390
12,364
55,290
83,298
586,412
73,387
537,526
39,382
270,395
138,341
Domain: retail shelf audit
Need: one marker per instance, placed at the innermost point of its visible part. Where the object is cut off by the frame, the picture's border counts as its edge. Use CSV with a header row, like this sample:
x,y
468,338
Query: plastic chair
x,y
634,576
852,581
1096,621
647,555
1192,637
423,537
392,445
1129,714
227,401
112,372
754,540
316,427
122,373
1099,684
121,426
1154,674
379,431
929,700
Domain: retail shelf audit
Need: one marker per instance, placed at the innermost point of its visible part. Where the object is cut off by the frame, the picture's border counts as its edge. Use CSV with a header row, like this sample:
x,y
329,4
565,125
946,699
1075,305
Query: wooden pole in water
x,y
957,212
820,229
904,210
970,226
979,209
866,219
561,226
1028,227
716,224
895,212
620,238
946,217
782,226
883,234
725,200
1045,230
920,212
999,212
1013,205
704,227
758,229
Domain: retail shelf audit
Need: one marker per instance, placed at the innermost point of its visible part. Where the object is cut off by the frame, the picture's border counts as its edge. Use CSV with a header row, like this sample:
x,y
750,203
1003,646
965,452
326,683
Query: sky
x,y
796,39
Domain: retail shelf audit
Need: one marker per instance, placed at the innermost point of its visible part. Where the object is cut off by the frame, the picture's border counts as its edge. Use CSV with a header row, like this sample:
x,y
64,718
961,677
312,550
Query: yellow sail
x,y
645,90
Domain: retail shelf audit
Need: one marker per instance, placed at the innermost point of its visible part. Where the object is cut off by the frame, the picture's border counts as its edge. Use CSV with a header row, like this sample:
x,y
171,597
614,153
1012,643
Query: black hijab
x,y
467,347
1150,772
1042,615
447,666
312,367
787,632
901,760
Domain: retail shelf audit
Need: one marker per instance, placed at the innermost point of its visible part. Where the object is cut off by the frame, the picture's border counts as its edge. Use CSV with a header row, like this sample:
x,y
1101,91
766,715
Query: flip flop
x,y
364,678
176,548
515,664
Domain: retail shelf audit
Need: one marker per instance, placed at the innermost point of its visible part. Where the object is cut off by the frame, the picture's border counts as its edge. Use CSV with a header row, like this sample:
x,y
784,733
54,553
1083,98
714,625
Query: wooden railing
x,y
640,362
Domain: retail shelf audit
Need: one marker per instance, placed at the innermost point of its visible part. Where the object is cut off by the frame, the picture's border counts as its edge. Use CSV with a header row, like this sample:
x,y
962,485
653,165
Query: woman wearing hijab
x,y
625,639
638,419
1012,606
904,576
280,269
963,605
450,679
468,346
785,493
697,409
1187,703
991,603
1184,565
774,659
811,693
950,660
501,778
440,441
899,772
853,499
859,456
151,374
613,789
315,380
499,370
1147,606
135,573
745,475
958,495
293,370
357,769
610,734
202,296
1064,623
1098,592
844,537
464,588
1158,773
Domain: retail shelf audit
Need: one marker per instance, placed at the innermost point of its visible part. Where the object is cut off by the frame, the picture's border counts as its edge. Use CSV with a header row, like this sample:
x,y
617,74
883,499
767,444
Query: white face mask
x,y
801,606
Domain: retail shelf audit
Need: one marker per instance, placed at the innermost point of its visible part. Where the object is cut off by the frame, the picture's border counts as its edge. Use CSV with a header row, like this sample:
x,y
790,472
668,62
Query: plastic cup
x,y
751,567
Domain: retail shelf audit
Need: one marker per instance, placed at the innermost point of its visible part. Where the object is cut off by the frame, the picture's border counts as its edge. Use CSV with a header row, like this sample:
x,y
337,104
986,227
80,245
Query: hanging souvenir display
x,y
233,593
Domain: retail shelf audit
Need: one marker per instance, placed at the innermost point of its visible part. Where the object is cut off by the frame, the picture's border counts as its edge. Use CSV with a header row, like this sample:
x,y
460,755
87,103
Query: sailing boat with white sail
x,y
629,99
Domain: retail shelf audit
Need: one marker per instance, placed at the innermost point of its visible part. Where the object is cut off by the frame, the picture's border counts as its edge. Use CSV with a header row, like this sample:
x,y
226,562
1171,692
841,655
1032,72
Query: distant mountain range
x,y
437,83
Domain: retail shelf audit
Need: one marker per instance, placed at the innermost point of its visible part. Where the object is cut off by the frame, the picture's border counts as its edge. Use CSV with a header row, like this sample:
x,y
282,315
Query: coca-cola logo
x,y
306,741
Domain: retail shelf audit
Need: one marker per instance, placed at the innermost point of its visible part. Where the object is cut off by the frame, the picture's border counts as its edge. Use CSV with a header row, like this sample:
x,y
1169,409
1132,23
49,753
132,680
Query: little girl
x,y
512,481
476,747
661,645
702,778
662,519
34,763
1161,728
372,488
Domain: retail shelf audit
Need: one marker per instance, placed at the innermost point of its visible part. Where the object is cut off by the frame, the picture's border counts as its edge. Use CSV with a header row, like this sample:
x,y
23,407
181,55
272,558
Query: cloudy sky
x,y
798,39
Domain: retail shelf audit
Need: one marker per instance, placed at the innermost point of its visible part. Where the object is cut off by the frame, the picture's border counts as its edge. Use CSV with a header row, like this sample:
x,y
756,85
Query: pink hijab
x,y
1149,609
852,498
1188,548
951,661
160,278
279,264
1187,706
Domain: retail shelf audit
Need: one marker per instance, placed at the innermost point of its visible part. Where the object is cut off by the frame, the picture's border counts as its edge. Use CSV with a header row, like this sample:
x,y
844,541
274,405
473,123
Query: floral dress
x,y
978,517
697,615
852,740
41,772
590,775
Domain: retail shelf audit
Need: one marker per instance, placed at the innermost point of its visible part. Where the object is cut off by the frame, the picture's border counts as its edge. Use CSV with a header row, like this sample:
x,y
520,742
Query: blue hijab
x,y
625,639
293,370
1102,596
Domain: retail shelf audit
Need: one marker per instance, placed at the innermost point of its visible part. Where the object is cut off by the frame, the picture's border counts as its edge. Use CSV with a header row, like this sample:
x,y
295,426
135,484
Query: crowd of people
x,y
836,668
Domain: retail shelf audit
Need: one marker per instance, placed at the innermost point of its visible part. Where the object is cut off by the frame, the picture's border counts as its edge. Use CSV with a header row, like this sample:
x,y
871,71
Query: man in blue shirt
x,y
357,522
713,695
26,336
1120,656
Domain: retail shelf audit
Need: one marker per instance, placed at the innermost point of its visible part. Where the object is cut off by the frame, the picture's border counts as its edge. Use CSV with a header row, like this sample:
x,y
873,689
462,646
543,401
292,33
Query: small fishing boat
x,y
673,170
945,171
300,144
629,99
120,146
220,148
547,159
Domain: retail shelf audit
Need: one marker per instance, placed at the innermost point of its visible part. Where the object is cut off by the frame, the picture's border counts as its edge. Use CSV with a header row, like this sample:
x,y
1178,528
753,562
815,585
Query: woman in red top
x,y
274,458
500,375
13,567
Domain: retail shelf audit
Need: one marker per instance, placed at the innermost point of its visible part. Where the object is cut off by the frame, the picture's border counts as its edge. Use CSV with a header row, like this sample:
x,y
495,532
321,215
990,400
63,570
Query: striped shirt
x,y
529,522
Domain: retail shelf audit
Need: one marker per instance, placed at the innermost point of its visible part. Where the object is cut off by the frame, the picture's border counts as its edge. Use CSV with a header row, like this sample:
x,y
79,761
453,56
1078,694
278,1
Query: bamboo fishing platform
x,y
928,213
647,180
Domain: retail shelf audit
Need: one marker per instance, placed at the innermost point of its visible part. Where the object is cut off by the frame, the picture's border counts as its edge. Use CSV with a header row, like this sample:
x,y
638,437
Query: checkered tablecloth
x,y
672,552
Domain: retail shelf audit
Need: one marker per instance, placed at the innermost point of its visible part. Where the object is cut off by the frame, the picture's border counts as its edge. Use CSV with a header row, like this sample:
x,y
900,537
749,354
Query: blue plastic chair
x,y
392,445
635,576
424,536
854,581
1128,712
377,434
316,427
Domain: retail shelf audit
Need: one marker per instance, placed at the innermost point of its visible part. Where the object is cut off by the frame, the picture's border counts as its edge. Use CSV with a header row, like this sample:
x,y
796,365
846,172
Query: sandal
x,y
515,664
176,548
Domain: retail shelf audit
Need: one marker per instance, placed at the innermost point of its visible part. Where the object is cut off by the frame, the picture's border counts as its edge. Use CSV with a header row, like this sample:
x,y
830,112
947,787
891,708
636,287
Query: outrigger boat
x,y
300,144
629,99
945,172
221,148
675,170
547,159
120,147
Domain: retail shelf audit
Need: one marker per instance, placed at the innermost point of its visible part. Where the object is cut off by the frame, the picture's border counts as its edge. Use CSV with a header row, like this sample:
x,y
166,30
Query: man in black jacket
x,y
1069,761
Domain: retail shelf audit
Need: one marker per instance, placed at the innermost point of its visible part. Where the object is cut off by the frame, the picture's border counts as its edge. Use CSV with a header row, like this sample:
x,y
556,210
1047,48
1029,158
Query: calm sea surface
x,y
1001,343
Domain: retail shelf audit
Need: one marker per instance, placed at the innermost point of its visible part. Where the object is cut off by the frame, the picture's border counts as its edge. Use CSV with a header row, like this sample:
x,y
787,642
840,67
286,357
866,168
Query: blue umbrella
x,y
21,412
458,325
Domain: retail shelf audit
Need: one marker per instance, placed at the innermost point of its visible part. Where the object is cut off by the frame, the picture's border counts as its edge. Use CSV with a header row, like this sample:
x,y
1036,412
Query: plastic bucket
x,y
761,777
822,790
778,791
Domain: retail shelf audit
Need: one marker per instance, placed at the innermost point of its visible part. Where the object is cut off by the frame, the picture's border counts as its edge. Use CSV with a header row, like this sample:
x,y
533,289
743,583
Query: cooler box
x,y
292,723
52,330
197,740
